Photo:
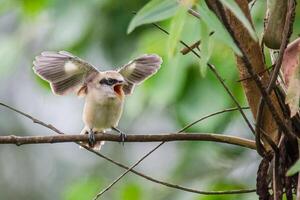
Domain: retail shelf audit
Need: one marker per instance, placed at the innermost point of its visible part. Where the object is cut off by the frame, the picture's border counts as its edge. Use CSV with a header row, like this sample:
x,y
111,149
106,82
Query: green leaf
x,y
221,33
294,169
177,25
205,48
236,10
153,11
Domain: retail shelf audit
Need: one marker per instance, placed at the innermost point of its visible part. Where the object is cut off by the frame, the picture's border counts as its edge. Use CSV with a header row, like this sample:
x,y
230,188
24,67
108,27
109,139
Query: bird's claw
x,y
123,137
92,139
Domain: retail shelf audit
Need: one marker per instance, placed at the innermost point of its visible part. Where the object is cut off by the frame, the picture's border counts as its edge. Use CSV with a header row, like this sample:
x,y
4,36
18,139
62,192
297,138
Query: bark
x,y
255,56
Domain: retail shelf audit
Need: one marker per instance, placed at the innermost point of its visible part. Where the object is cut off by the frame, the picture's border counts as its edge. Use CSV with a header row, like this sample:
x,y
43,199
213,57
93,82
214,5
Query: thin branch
x,y
252,5
35,120
155,148
210,115
185,50
285,40
195,45
259,73
170,185
194,13
167,184
126,172
168,137
213,69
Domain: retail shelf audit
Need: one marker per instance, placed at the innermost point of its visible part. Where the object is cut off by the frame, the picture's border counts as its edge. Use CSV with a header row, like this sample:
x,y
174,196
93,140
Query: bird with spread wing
x,y
104,91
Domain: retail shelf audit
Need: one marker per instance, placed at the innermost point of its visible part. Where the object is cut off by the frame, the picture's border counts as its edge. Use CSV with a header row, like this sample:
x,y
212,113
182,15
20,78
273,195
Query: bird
x,y
104,91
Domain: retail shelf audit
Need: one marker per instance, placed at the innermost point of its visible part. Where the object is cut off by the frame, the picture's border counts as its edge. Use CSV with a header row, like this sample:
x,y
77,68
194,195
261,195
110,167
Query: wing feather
x,y
139,69
65,72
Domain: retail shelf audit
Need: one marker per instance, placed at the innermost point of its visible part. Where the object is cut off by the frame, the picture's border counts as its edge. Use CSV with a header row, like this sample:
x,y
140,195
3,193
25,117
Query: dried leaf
x,y
291,70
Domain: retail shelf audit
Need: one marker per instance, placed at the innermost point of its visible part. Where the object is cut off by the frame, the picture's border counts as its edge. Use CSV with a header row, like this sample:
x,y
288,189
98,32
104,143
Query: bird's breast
x,y
102,114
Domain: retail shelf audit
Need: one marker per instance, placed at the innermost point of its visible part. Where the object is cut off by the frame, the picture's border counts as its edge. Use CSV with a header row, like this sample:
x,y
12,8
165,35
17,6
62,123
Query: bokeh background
x,y
95,30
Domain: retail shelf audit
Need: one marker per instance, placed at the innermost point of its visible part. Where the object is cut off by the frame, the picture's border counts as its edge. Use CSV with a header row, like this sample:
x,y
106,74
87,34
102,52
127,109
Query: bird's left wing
x,y
138,70
65,72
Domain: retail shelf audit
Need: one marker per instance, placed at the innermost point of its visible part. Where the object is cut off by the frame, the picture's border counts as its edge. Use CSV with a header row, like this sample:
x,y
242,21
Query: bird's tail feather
x,y
97,146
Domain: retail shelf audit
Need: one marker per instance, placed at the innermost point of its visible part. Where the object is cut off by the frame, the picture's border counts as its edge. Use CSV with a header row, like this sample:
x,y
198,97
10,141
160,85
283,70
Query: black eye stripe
x,y
109,81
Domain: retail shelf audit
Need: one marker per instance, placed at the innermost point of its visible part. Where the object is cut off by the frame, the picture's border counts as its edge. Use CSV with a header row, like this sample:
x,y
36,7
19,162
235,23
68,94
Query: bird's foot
x,y
123,136
92,139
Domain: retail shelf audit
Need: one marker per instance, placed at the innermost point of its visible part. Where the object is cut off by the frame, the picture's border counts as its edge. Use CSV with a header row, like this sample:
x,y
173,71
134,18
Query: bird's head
x,y
109,83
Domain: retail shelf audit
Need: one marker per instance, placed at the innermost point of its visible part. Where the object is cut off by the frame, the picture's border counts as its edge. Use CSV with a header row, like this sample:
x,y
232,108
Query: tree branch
x,y
168,137
167,184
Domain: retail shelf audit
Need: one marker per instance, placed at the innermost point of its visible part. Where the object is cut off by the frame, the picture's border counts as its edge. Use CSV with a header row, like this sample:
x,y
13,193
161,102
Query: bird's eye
x,y
108,81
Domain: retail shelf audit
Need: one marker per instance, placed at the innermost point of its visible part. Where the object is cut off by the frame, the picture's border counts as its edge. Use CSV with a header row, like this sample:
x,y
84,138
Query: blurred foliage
x,y
131,191
82,190
97,32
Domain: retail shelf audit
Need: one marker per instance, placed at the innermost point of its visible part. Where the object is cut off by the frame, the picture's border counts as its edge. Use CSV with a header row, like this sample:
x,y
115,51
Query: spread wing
x,y
138,70
65,72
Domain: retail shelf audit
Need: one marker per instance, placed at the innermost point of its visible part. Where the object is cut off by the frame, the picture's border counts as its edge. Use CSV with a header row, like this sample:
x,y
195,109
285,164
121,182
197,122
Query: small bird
x,y
104,91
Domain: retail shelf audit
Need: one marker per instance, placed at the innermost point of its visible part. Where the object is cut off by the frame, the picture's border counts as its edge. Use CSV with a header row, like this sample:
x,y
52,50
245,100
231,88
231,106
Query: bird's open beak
x,y
118,88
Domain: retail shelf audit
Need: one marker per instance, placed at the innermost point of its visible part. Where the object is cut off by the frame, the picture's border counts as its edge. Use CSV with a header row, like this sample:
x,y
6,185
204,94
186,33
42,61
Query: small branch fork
x,y
167,184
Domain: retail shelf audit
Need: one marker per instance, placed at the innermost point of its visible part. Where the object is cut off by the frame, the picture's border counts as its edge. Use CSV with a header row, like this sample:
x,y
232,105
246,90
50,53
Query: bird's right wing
x,y
65,72
138,70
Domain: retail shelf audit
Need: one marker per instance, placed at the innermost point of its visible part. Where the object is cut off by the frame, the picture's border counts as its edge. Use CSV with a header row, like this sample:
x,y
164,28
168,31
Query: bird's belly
x,y
103,115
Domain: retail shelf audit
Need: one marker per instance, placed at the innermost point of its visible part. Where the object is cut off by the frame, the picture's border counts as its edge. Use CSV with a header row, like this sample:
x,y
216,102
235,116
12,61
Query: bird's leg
x,y
122,135
91,136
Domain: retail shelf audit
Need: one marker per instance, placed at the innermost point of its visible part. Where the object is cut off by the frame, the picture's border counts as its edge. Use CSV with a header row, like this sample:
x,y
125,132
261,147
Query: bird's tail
x,y
96,146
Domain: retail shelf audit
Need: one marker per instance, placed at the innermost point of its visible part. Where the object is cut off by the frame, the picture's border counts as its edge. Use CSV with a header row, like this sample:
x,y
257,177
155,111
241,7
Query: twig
x,y
128,170
252,5
213,69
174,186
210,115
285,40
194,13
35,120
168,137
259,73
170,185
186,50
146,155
